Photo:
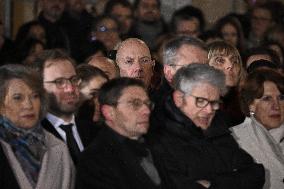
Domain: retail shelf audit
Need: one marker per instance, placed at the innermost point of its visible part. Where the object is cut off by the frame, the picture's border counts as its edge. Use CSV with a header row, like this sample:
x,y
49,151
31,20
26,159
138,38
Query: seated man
x,y
192,147
118,157
134,60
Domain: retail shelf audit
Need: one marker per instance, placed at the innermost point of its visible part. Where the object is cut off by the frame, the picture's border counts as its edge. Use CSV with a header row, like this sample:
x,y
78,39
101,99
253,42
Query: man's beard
x,y
59,109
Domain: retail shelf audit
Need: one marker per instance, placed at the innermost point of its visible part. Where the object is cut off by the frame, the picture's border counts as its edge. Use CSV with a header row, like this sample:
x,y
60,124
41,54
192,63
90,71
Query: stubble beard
x,y
59,109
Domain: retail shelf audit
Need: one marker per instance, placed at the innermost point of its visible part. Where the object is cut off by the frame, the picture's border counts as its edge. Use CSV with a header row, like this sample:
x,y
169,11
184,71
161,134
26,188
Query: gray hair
x,y
171,47
194,74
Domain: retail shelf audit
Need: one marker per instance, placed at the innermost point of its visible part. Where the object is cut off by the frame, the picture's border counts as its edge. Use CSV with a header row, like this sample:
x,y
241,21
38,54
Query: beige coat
x,y
265,148
57,170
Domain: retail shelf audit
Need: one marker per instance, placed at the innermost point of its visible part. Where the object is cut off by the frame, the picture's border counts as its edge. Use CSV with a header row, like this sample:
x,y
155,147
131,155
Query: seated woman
x,y
30,157
225,57
262,132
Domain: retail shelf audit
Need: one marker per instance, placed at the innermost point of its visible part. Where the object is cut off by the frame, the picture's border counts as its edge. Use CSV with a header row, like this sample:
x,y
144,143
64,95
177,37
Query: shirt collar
x,y
57,121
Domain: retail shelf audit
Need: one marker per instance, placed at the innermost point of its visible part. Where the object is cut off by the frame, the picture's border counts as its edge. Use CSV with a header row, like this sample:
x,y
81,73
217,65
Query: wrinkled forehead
x,y
134,92
133,48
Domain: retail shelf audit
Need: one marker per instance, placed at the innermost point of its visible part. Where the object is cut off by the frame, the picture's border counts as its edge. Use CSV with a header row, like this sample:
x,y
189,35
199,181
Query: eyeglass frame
x,y
140,61
138,105
64,80
174,66
105,29
211,102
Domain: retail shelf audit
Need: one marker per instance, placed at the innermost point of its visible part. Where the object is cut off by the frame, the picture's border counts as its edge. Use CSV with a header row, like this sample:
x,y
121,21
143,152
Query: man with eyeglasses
x,y
193,147
119,157
61,84
177,53
134,60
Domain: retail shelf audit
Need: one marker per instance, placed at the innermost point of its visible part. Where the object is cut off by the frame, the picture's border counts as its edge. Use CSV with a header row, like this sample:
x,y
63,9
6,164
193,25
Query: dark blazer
x,y
108,163
7,177
186,154
87,130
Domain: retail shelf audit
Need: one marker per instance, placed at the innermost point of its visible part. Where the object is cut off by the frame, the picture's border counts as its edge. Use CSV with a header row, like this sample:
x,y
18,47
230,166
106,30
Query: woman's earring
x,y
251,113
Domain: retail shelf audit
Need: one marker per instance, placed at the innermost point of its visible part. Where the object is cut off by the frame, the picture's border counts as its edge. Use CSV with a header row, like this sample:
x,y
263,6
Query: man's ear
x,y
178,98
107,111
153,64
168,73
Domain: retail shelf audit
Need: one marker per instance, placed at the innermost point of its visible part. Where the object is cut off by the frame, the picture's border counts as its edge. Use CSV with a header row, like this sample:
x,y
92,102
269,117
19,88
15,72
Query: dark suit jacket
x,y
108,163
7,177
87,130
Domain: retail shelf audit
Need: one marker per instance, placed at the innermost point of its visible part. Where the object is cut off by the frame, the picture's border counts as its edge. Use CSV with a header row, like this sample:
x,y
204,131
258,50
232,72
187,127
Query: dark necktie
x,y
71,142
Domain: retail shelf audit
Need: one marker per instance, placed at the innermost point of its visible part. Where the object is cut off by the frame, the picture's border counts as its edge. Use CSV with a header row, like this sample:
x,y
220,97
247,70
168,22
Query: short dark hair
x,y
231,20
110,4
100,18
253,88
188,13
137,2
112,90
261,51
86,72
50,55
27,75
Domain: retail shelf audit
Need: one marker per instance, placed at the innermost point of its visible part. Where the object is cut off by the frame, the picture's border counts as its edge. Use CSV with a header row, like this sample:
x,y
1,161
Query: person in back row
x,y
177,53
134,60
193,148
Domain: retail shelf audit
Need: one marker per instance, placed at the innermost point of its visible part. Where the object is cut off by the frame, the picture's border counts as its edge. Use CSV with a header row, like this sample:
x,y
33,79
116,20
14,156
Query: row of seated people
x,y
214,124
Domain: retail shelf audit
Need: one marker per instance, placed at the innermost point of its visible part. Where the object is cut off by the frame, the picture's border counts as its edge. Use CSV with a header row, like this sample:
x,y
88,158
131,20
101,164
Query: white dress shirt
x,y
56,122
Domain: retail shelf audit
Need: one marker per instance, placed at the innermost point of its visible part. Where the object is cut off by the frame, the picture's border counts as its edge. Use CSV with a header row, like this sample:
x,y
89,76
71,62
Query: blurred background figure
x,y
28,50
77,24
225,57
92,79
106,29
30,157
32,29
93,48
188,21
260,53
148,23
277,48
6,46
50,17
276,33
210,36
262,18
262,132
105,64
30,40
121,10
231,30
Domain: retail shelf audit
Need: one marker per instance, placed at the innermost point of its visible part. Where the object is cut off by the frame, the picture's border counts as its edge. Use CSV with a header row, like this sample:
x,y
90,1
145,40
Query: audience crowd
x,y
122,99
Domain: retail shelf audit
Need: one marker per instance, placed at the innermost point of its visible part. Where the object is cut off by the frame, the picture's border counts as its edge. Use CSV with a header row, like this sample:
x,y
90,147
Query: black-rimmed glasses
x,y
138,103
62,82
201,102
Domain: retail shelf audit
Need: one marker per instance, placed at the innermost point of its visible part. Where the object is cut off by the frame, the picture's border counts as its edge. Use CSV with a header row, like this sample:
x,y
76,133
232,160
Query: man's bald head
x,y
106,65
134,60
